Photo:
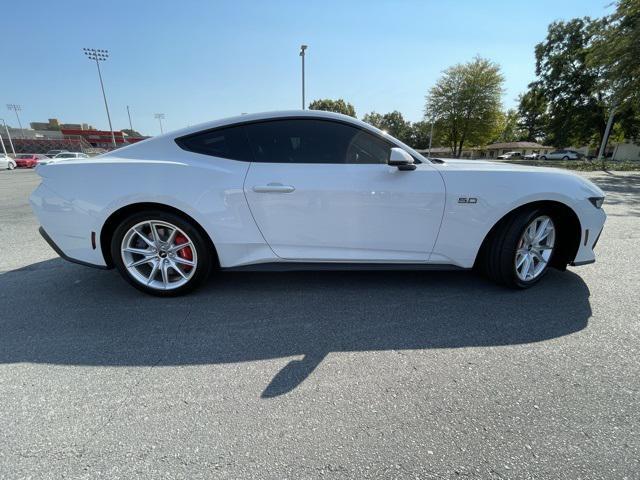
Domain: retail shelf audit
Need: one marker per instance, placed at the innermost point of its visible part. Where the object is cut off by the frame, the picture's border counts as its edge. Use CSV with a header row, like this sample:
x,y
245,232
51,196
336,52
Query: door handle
x,y
273,188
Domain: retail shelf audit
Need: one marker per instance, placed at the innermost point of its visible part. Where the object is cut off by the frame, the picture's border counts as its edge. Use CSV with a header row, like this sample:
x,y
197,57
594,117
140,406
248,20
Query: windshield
x,y
65,155
24,155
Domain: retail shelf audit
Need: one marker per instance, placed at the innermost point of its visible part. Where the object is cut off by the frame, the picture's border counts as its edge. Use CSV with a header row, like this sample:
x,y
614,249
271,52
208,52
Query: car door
x,y
322,190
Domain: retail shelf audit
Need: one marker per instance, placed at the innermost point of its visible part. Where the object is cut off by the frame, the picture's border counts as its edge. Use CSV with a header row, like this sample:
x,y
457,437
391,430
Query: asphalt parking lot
x,y
319,375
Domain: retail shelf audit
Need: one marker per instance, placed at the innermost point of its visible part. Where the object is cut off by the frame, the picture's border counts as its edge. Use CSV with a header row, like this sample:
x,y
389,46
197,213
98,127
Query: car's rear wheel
x,y
519,252
543,157
565,158
160,253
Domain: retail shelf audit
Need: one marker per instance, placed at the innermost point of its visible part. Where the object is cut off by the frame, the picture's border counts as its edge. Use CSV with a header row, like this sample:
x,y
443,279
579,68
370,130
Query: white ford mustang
x,y
309,189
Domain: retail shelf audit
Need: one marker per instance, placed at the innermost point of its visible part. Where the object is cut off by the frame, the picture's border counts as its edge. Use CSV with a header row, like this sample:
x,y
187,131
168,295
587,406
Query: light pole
x,y
16,109
129,115
100,56
302,49
8,135
160,117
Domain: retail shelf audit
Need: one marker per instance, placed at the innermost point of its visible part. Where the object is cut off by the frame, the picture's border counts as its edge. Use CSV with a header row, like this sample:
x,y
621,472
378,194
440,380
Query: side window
x,y
228,143
314,141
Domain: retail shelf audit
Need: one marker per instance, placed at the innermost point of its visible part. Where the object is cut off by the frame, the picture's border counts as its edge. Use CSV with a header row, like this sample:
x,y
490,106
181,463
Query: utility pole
x,y
9,136
430,138
605,137
302,49
159,117
4,149
16,109
98,56
129,115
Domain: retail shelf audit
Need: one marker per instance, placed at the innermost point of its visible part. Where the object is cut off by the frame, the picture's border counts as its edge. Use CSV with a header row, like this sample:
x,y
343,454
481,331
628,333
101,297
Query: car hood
x,y
454,165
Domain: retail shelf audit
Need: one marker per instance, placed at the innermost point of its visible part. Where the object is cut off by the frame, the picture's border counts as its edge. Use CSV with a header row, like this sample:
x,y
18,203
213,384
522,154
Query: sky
x,y
197,61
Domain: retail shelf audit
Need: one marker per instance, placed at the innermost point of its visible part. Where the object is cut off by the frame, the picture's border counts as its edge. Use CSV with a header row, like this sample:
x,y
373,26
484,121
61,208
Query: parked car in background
x,y
510,155
532,156
69,155
29,160
560,155
53,153
6,162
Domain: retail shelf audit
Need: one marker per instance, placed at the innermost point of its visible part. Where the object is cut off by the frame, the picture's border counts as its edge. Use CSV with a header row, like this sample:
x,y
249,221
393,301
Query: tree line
x,y
587,70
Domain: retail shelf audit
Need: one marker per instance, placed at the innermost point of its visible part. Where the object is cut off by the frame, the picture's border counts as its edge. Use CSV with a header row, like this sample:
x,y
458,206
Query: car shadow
x,y
59,313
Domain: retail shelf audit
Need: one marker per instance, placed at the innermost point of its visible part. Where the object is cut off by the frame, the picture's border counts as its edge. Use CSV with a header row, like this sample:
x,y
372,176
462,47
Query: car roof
x,y
255,117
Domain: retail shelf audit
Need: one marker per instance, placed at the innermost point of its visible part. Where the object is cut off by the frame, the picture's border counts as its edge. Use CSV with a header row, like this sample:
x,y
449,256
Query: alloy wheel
x,y
535,247
159,255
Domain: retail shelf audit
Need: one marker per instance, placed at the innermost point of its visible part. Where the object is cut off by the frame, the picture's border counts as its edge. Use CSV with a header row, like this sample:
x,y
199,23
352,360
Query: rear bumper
x,y
67,226
55,247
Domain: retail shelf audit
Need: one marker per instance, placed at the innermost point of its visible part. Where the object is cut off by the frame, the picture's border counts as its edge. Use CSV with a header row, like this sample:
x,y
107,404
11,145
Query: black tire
x,y
498,253
203,250
565,158
11,166
543,157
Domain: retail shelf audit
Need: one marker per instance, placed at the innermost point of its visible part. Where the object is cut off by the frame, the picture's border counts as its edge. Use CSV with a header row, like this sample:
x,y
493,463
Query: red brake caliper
x,y
186,252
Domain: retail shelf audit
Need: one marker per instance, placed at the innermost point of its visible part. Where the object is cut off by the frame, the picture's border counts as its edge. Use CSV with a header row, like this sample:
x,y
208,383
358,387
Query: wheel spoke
x,y
183,261
142,261
165,273
154,234
153,273
177,248
542,231
176,268
139,251
144,237
172,237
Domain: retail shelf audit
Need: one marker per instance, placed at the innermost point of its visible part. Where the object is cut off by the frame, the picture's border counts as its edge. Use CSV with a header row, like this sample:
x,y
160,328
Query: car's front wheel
x,y
565,158
161,253
543,157
519,251
11,166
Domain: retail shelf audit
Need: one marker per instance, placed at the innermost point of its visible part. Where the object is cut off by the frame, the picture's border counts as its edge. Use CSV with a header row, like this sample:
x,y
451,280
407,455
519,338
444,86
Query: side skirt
x,y
335,266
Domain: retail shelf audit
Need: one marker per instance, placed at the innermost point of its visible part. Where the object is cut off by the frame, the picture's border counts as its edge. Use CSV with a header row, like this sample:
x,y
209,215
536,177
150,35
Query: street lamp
x,y
8,135
100,56
159,117
16,109
302,49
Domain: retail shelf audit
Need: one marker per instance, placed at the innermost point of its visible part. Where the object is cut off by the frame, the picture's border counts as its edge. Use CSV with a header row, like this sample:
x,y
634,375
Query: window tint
x,y
314,141
224,142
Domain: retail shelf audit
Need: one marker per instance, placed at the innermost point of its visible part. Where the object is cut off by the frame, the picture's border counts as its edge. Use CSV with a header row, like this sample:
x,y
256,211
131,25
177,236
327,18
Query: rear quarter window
x,y
228,143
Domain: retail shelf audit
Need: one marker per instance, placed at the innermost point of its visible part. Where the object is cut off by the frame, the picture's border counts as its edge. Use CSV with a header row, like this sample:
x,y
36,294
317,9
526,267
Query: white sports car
x,y
309,189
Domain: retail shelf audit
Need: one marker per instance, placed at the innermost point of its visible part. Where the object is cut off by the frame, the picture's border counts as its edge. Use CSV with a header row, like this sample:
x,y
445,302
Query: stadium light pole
x,y
98,56
302,49
129,115
9,136
16,109
160,117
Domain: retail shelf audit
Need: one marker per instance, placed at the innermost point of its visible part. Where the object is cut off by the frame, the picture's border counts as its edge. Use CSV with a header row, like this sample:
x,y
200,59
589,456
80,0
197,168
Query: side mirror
x,y
401,159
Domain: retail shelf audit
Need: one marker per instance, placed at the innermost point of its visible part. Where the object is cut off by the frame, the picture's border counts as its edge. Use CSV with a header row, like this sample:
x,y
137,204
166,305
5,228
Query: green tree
x,y
419,135
577,100
508,128
466,103
616,49
393,123
532,112
337,106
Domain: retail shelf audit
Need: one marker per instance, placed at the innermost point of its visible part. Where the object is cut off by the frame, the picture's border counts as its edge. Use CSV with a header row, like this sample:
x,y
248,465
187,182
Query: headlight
x,y
597,201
